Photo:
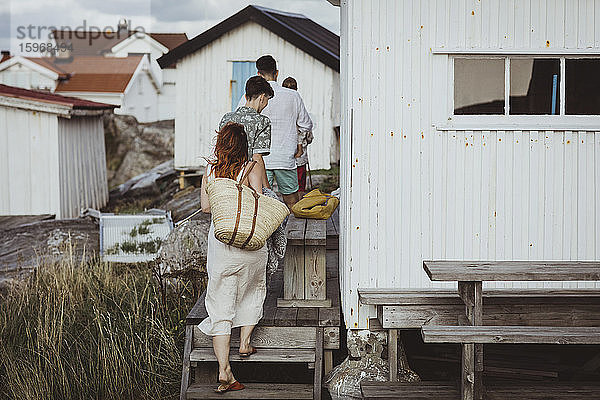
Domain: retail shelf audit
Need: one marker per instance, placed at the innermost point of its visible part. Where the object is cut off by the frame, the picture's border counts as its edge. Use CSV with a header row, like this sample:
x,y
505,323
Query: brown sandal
x,y
235,385
246,355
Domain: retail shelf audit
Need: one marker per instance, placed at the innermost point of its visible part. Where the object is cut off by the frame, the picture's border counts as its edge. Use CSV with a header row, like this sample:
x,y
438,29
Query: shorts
x,y
301,177
287,180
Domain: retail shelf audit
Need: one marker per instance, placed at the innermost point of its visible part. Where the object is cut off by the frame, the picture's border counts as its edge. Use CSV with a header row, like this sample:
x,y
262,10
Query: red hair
x,y
231,151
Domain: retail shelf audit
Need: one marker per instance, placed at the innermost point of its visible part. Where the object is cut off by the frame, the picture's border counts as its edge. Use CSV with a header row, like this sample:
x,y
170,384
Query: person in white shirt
x,y
304,139
288,117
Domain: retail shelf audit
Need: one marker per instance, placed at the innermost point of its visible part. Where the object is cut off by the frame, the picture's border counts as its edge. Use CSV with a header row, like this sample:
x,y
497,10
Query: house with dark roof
x,y
53,156
212,69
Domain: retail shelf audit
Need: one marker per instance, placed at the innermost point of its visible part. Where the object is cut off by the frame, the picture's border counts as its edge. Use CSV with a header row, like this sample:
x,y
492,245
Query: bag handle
x,y
239,206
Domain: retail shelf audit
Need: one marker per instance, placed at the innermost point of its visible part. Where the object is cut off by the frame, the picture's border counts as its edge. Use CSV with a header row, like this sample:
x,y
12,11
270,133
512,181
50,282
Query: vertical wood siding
x,y
28,162
411,192
204,93
83,181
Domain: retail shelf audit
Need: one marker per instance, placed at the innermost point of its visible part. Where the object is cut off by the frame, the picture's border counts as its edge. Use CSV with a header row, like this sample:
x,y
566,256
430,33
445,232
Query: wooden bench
x,y
470,276
414,308
304,270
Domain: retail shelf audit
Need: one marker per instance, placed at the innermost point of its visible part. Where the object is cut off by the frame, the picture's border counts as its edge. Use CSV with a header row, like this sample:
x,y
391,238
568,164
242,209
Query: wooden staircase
x,y
286,334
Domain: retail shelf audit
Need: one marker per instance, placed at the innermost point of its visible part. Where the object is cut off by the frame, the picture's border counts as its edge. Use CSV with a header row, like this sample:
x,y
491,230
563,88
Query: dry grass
x,y
92,331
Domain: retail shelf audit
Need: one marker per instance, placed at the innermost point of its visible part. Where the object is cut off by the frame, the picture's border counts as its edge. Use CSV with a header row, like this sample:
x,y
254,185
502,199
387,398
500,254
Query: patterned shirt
x,y
256,126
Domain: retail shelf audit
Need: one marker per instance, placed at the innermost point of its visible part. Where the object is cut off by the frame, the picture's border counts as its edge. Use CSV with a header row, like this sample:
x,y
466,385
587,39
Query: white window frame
x,y
557,122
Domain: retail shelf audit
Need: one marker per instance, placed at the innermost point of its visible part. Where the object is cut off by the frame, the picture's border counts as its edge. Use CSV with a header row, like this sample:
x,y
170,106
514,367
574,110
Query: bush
x,y
92,331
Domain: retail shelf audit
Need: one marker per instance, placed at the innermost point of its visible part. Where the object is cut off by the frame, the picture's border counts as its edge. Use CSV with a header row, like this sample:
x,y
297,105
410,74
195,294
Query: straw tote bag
x,y
242,217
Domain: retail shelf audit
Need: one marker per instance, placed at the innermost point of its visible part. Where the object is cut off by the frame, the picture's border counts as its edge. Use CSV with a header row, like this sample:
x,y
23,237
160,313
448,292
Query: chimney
x,y
122,28
5,55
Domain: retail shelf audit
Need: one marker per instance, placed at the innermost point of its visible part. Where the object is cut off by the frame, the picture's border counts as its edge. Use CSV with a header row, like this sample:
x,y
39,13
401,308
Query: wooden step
x,y
510,334
262,355
264,391
412,391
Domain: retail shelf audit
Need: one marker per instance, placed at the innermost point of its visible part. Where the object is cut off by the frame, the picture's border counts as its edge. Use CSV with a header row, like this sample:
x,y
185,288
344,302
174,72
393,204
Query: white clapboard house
x,y
213,67
119,68
52,155
470,131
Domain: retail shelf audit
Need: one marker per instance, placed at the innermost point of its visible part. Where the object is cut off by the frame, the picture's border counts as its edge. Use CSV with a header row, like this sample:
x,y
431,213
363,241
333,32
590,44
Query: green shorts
x,y
287,180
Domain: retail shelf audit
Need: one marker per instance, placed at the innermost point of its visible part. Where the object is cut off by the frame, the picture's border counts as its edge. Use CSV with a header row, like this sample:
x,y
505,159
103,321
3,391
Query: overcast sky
x,y
189,16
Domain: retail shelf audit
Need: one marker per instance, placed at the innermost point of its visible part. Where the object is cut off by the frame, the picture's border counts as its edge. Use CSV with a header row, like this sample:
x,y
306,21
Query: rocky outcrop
x,y
25,245
133,148
365,363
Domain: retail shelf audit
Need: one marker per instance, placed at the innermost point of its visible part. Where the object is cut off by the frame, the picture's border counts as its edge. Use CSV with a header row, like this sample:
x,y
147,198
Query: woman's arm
x,y
204,203
259,160
256,177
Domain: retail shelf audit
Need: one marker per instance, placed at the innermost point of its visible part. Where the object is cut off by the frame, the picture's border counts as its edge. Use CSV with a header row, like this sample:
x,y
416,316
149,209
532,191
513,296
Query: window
x,y
470,96
242,70
583,86
534,86
526,85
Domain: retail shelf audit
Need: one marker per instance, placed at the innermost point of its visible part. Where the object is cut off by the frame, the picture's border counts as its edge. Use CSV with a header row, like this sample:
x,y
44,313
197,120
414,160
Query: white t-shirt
x,y
288,115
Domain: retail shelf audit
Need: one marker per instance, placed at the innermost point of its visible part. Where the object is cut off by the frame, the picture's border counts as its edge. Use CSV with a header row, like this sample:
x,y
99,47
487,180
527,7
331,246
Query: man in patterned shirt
x,y
256,126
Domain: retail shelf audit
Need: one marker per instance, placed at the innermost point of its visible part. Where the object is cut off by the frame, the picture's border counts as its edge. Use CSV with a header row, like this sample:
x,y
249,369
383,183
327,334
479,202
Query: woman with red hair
x,y
236,277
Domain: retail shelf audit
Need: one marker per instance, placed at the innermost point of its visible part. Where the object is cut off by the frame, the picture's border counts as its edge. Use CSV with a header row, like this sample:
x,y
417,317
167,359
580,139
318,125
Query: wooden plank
x,y
266,391
318,376
327,361
198,311
293,273
415,316
331,338
510,334
303,303
417,390
316,233
266,337
204,354
329,316
512,270
286,316
185,372
393,354
294,230
315,280
277,337
542,391
206,372
333,291
472,367
391,296
467,372
308,317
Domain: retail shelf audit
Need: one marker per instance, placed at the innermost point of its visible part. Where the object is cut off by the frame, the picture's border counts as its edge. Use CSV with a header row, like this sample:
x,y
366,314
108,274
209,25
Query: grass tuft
x,y
93,331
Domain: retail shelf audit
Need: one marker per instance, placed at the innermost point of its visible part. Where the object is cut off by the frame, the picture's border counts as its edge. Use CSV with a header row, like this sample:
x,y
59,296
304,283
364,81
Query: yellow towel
x,y
315,205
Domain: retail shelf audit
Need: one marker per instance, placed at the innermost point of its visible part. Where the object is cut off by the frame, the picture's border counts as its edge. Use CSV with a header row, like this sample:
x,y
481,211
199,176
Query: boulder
x,y
133,148
183,252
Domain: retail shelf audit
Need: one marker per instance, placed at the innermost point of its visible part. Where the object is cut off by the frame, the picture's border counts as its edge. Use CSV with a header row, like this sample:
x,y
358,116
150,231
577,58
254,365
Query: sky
x,y
190,16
